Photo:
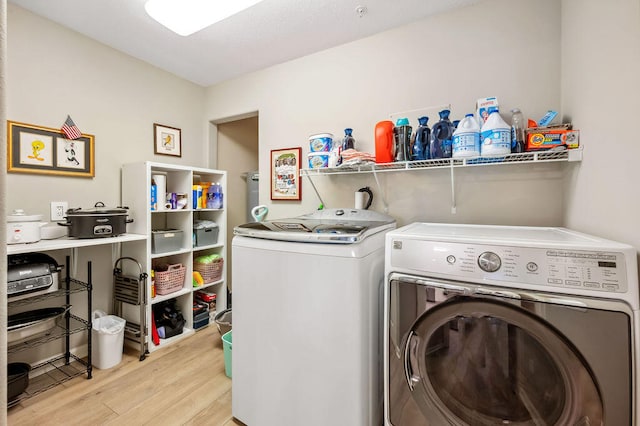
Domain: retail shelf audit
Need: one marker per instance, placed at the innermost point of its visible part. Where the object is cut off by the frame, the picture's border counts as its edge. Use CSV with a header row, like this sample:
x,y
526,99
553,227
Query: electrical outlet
x,y
58,210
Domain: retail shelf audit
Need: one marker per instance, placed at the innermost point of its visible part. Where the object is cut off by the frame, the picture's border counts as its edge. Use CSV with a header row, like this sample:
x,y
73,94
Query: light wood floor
x,y
183,384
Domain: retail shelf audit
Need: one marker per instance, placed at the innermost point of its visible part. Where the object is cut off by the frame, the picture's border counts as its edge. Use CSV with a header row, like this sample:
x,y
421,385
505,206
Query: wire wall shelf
x,y
525,157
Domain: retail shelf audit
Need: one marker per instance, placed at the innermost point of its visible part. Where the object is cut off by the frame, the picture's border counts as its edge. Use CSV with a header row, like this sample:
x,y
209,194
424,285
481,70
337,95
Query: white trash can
x,y
107,335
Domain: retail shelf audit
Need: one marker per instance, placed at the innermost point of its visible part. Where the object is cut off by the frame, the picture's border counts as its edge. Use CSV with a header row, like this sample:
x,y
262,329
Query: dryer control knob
x,y
489,261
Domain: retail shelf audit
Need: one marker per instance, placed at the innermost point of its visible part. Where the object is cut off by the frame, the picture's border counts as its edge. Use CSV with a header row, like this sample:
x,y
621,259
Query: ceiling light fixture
x,y
185,17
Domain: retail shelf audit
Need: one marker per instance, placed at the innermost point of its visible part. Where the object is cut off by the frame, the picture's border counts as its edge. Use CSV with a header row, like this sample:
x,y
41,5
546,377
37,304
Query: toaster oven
x,y
31,274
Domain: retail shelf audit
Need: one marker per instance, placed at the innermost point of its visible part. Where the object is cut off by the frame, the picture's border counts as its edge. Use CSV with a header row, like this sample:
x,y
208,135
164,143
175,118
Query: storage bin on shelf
x,y
171,280
210,267
200,315
165,240
205,233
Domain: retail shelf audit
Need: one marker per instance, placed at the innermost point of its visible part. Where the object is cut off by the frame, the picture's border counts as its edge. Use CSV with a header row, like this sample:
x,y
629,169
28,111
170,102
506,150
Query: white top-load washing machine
x,y
307,319
502,325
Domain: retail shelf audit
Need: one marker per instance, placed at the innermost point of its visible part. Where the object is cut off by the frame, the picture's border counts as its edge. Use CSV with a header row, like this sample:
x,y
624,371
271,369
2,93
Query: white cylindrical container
x,y
466,138
161,190
359,200
318,160
322,142
495,136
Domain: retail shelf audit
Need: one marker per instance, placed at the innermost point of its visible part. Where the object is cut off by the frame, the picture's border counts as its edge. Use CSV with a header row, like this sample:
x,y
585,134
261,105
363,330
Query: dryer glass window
x,y
490,360
482,368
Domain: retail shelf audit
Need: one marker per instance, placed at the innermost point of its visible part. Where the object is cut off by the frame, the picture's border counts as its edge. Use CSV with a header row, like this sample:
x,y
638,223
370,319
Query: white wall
x,y
601,90
53,71
456,58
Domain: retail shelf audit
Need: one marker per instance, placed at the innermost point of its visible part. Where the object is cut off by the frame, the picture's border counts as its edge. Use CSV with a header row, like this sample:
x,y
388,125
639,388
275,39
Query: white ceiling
x,y
271,32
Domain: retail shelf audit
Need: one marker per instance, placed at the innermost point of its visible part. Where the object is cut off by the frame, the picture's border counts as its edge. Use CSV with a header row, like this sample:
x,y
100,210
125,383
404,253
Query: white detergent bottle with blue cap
x,y
495,136
466,138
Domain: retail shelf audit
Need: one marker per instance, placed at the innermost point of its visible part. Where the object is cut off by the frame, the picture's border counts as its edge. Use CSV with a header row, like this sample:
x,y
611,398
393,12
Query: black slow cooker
x,y
96,222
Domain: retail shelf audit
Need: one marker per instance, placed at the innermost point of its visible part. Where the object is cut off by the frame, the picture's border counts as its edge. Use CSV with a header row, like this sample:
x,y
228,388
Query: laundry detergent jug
x,y
495,136
441,135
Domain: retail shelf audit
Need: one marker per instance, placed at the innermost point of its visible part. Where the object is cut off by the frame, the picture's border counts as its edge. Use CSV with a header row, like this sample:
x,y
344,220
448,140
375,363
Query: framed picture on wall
x,y
167,140
44,150
285,174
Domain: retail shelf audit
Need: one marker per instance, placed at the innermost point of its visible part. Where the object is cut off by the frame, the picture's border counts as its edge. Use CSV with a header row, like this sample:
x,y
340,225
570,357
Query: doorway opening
x,y
234,148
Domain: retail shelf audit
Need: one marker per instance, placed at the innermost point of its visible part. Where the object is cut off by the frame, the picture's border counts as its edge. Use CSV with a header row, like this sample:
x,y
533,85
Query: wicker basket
x,y
210,271
171,280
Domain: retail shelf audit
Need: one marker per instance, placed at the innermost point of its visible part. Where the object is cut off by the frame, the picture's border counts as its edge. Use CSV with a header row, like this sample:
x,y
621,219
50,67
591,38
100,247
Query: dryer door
x,y
489,361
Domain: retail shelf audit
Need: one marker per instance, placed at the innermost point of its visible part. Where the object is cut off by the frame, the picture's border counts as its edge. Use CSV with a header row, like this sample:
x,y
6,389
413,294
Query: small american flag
x,y
70,129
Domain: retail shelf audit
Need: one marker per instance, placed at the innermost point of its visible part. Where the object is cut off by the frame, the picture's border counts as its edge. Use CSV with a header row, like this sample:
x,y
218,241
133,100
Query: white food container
x,y
23,228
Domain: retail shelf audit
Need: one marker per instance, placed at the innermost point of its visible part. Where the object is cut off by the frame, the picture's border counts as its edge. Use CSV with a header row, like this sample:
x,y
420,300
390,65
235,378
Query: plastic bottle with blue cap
x,y
495,136
402,140
466,138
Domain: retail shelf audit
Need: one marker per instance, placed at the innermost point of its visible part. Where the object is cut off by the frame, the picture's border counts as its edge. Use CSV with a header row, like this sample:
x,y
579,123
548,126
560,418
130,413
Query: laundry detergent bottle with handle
x,y
495,136
466,138
420,146
441,135
384,141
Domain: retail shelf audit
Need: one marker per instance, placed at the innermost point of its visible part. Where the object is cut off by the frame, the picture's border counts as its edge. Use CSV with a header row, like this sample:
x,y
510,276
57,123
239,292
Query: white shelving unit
x,y
136,194
533,157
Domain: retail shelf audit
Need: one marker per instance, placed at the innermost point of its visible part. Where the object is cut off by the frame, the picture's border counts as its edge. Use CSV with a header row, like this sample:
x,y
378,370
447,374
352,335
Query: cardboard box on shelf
x,y
543,138
484,107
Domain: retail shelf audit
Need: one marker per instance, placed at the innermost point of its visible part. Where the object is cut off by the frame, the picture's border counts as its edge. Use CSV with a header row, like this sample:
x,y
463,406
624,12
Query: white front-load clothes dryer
x,y
307,319
500,325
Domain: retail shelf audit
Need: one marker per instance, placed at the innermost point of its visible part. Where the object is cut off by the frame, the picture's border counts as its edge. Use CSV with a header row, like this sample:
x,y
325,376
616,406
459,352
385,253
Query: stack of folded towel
x,y
351,157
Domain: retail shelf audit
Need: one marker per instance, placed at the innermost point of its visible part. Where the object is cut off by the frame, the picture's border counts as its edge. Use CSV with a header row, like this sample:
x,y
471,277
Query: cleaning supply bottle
x,y
348,142
495,136
214,196
517,131
441,135
384,141
420,145
402,137
466,138
154,195
335,155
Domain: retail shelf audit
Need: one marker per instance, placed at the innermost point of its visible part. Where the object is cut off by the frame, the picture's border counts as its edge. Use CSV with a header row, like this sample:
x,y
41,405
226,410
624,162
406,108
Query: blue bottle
x,y
442,136
348,142
420,148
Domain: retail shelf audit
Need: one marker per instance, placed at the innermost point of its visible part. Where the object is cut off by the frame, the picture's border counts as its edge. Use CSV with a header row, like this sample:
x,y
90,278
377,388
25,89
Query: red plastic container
x,y
384,142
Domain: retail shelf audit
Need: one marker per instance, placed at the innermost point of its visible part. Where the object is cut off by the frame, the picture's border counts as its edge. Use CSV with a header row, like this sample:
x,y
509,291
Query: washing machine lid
x,y
536,236
338,226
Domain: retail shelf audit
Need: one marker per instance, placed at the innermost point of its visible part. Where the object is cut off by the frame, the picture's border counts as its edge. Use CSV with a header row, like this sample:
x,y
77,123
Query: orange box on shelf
x,y
549,137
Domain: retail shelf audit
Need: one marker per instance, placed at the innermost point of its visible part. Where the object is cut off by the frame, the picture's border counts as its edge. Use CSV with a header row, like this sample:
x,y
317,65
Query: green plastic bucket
x,y
226,346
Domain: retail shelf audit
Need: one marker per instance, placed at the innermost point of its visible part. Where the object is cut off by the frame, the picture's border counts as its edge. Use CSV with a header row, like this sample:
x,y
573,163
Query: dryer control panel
x,y
541,267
